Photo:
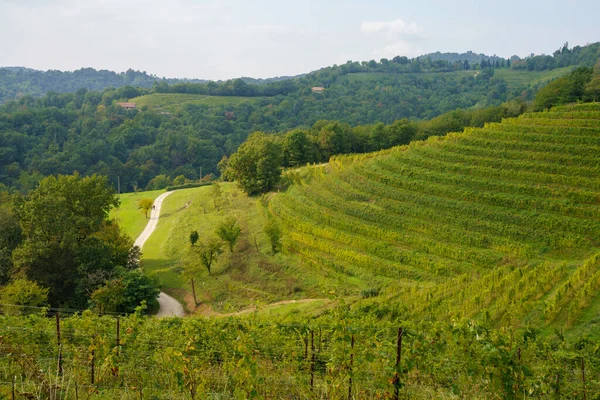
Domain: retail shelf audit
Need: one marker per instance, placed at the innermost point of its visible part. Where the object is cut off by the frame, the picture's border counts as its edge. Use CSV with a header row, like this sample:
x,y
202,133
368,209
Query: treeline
x,y
16,82
235,87
59,248
89,133
257,164
585,56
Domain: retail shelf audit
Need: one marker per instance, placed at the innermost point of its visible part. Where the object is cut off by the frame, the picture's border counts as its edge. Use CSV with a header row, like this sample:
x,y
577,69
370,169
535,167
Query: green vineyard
x,y
461,267
500,223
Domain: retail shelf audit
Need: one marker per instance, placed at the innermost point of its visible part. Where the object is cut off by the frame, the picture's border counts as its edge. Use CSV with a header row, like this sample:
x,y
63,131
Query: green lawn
x,y
238,280
520,77
129,217
174,101
514,78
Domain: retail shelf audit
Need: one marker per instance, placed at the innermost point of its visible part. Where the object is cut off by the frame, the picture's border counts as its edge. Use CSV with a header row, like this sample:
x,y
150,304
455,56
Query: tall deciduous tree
x,y
209,251
145,205
217,195
10,237
229,230
65,227
256,165
274,233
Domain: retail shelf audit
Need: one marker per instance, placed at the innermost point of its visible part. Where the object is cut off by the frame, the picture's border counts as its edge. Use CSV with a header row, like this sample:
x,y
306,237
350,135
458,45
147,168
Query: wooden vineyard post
x,y
92,369
396,380
306,346
13,388
350,368
60,369
312,360
583,378
118,335
319,340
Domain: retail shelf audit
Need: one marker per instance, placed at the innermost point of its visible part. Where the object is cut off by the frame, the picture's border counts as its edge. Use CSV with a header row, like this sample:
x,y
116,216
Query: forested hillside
x,y
16,82
184,129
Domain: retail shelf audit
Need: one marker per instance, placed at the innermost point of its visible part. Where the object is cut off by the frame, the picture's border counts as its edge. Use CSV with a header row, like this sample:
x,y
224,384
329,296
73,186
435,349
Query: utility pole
x,y
118,185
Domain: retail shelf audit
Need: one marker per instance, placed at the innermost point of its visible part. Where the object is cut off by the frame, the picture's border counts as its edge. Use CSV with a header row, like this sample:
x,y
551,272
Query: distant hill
x,y
16,82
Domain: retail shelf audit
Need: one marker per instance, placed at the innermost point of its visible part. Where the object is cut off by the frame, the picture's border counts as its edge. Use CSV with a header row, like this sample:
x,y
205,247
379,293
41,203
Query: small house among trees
x,y
318,89
127,105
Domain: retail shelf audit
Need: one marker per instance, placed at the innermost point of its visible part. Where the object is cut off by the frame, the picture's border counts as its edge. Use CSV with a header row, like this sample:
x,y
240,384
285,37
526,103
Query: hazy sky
x,y
264,38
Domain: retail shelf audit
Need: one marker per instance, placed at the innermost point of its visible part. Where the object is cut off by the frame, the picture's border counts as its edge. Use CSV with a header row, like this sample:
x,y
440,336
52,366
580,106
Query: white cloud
x,y
392,38
267,29
393,29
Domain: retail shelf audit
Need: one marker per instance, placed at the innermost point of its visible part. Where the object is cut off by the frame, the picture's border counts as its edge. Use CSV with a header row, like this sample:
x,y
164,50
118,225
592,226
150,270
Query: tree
x,y
563,90
194,236
256,165
125,293
273,232
209,251
226,173
65,224
592,89
158,182
145,205
179,180
296,149
22,293
10,238
217,195
229,231
190,271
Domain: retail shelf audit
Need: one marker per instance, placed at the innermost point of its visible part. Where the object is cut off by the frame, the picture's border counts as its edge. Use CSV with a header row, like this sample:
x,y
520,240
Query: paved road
x,y
169,307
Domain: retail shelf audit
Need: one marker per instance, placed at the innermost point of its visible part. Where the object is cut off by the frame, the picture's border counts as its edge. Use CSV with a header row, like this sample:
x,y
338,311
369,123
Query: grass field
x,y
131,219
514,78
171,102
249,276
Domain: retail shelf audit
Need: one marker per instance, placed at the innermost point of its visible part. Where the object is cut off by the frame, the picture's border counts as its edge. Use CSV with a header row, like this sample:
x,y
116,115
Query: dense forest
x,y
16,82
88,132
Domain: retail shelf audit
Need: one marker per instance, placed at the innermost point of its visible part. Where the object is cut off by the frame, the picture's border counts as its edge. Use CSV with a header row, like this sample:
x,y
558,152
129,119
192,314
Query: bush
x,y
371,292
22,293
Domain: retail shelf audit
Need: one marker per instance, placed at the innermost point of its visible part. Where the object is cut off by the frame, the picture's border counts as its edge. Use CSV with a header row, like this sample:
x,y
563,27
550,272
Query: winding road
x,y
169,307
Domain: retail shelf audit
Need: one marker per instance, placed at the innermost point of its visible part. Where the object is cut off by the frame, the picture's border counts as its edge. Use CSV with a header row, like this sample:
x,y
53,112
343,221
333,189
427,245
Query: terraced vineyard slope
x,y
499,223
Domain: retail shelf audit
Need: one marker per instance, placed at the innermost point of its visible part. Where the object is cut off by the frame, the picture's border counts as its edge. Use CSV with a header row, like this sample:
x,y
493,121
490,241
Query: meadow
x,y
130,218
172,102
514,78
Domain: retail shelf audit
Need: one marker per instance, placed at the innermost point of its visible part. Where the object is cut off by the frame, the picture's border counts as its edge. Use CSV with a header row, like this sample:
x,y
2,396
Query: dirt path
x,y
169,307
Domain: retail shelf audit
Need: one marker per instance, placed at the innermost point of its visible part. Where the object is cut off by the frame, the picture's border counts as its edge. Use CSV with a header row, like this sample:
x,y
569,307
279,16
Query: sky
x,y
210,39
